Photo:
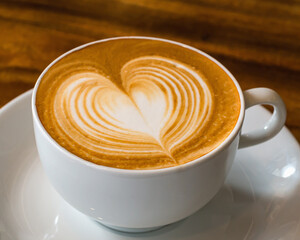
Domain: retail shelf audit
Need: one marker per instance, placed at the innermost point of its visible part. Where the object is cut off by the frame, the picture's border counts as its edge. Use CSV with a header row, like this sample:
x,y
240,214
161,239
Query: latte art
x,y
161,106
152,115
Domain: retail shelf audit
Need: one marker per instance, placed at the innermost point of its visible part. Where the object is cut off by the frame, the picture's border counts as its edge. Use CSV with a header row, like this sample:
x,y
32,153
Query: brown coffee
x,y
137,104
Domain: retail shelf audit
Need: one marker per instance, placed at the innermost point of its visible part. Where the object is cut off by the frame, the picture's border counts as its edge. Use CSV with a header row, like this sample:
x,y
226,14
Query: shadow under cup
x,y
141,200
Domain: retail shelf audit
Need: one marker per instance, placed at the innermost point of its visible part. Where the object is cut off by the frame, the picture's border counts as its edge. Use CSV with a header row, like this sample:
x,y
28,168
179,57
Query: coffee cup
x,y
138,200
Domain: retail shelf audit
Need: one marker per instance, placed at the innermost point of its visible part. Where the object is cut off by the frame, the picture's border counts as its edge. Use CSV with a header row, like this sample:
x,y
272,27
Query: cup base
x,y
130,230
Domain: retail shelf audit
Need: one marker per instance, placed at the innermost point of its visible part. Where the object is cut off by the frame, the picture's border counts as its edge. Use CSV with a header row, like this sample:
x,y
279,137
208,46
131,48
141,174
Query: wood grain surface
x,y
257,40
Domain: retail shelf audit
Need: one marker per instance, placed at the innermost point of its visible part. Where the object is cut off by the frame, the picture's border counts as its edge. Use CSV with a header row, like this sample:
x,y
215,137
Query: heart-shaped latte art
x,y
160,108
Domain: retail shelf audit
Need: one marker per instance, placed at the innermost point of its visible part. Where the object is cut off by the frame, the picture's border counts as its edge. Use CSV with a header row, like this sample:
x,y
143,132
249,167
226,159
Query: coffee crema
x,y
137,104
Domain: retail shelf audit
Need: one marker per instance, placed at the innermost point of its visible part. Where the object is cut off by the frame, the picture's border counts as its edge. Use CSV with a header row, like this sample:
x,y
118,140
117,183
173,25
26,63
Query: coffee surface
x,y
137,104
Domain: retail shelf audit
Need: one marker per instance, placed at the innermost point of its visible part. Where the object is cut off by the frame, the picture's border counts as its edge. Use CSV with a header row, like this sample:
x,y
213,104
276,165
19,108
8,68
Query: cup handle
x,y
266,96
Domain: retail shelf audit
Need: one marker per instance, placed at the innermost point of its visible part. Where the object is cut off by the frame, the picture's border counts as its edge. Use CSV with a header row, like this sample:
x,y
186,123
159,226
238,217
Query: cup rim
x,y
229,139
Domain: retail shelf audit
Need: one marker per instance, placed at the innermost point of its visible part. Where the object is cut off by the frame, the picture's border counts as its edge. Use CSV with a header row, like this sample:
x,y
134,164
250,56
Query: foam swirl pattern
x,y
160,107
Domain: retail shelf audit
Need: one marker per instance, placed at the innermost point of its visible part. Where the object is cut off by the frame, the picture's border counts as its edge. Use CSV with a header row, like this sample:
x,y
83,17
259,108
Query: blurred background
x,y
257,40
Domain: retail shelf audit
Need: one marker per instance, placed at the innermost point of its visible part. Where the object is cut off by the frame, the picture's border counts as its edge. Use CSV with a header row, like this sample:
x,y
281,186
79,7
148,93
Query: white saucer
x,y
260,200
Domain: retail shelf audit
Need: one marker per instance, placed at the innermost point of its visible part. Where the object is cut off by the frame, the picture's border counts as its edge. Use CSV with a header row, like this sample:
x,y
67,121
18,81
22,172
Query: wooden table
x,y
257,40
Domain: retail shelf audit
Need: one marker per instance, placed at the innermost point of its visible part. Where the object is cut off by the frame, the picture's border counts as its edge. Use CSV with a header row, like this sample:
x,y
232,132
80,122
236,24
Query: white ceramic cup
x,y
142,200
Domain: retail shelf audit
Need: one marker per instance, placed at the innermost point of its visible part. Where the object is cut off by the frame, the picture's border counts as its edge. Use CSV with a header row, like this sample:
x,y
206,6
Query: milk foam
x,y
137,104
161,102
